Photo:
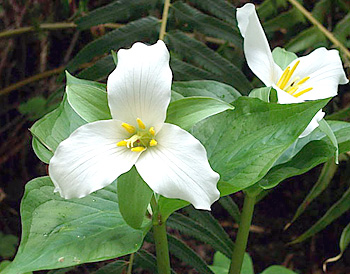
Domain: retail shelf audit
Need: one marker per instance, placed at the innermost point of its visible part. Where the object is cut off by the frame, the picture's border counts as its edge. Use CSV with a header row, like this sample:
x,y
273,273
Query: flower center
x,y
141,138
292,87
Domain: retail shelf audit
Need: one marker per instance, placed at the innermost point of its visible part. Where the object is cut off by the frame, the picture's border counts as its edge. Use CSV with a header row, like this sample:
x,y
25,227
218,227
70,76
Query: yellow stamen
x,y
138,149
292,90
282,77
302,81
152,131
129,128
290,73
302,92
122,144
140,123
153,143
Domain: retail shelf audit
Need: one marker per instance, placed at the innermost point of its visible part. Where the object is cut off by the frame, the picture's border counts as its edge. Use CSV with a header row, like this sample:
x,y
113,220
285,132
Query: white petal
x,y
325,70
313,124
89,159
178,168
140,86
256,47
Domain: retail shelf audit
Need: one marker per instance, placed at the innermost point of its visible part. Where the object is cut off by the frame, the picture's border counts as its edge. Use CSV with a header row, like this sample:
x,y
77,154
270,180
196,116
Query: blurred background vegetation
x,y
39,39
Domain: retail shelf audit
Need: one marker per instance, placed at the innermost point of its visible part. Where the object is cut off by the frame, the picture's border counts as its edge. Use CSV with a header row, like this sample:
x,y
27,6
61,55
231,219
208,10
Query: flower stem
x,y
242,235
326,32
164,19
161,241
131,261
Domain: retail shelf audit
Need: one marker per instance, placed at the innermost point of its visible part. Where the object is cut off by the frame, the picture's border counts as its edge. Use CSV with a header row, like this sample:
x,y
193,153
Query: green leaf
x,y
243,144
282,57
200,232
266,94
323,181
231,207
206,88
99,70
345,238
144,28
309,38
88,99
270,8
277,269
206,24
134,196
188,111
117,267
35,108
306,153
284,20
53,128
221,9
201,55
116,11
326,129
8,245
58,233
338,209
221,264
167,206
147,261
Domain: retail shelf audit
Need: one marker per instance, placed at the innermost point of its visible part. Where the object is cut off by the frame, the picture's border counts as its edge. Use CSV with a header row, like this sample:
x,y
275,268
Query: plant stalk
x,y
242,235
131,261
162,251
164,19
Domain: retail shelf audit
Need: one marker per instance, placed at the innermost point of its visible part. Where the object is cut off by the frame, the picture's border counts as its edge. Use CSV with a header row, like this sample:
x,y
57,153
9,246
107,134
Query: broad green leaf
x,y
117,267
134,196
277,269
282,57
200,232
88,99
53,128
327,173
307,153
144,28
221,9
206,88
188,111
8,245
206,24
115,11
243,144
198,53
35,108
337,209
167,206
231,207
221,264
58,233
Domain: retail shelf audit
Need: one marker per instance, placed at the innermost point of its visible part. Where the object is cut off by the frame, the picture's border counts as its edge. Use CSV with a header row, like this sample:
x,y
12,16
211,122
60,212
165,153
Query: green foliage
x,y
50,223
8,245
221,264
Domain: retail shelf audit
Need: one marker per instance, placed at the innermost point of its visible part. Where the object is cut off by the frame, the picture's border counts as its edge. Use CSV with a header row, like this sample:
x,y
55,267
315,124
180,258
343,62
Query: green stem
x,y
164,19
161,241
242,235
131,261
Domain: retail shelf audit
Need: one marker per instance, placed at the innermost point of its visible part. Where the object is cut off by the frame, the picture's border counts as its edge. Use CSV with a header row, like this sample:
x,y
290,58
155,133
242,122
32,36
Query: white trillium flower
x,y
169,159
311,77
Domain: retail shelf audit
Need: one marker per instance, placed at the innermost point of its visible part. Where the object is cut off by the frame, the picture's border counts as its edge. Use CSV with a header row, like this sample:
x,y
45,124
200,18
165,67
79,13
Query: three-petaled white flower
x,y
169,159
312,77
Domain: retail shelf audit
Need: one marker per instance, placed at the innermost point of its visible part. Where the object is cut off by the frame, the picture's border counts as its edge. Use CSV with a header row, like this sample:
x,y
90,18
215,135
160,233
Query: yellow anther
x,y
152,131
153,143
122,143
129,128
140,123
282,77
289,75
302,92
302,81
292,90
138,149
